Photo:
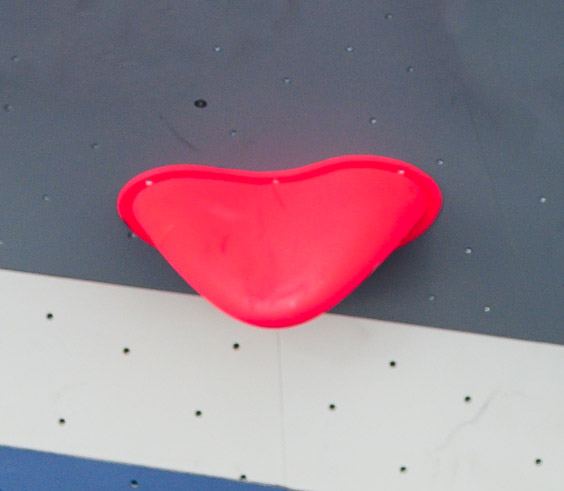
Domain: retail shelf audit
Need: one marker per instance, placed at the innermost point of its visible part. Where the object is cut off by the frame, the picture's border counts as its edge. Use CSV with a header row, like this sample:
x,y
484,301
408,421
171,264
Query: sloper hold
x,y
275,249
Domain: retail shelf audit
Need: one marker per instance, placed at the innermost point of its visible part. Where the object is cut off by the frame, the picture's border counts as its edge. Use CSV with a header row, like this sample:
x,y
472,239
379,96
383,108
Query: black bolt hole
x,y
201,103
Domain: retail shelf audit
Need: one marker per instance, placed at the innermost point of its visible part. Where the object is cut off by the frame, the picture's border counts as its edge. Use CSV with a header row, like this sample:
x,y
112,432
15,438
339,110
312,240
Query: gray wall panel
x,y
94,92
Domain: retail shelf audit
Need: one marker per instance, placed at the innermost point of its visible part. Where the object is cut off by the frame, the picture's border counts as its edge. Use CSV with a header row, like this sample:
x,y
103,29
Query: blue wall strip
x,y
23,470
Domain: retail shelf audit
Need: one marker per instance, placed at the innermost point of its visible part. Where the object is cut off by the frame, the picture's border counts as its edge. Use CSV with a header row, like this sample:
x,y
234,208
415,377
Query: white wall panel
x,y
416,414
266,406
137,407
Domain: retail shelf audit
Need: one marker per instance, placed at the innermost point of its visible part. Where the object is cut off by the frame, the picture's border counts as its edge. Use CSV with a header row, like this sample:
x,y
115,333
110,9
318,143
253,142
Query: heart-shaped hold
x,y
276,249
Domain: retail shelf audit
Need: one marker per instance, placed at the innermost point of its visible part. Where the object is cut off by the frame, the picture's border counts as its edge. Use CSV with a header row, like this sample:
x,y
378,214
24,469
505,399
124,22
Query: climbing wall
x,y
442,371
